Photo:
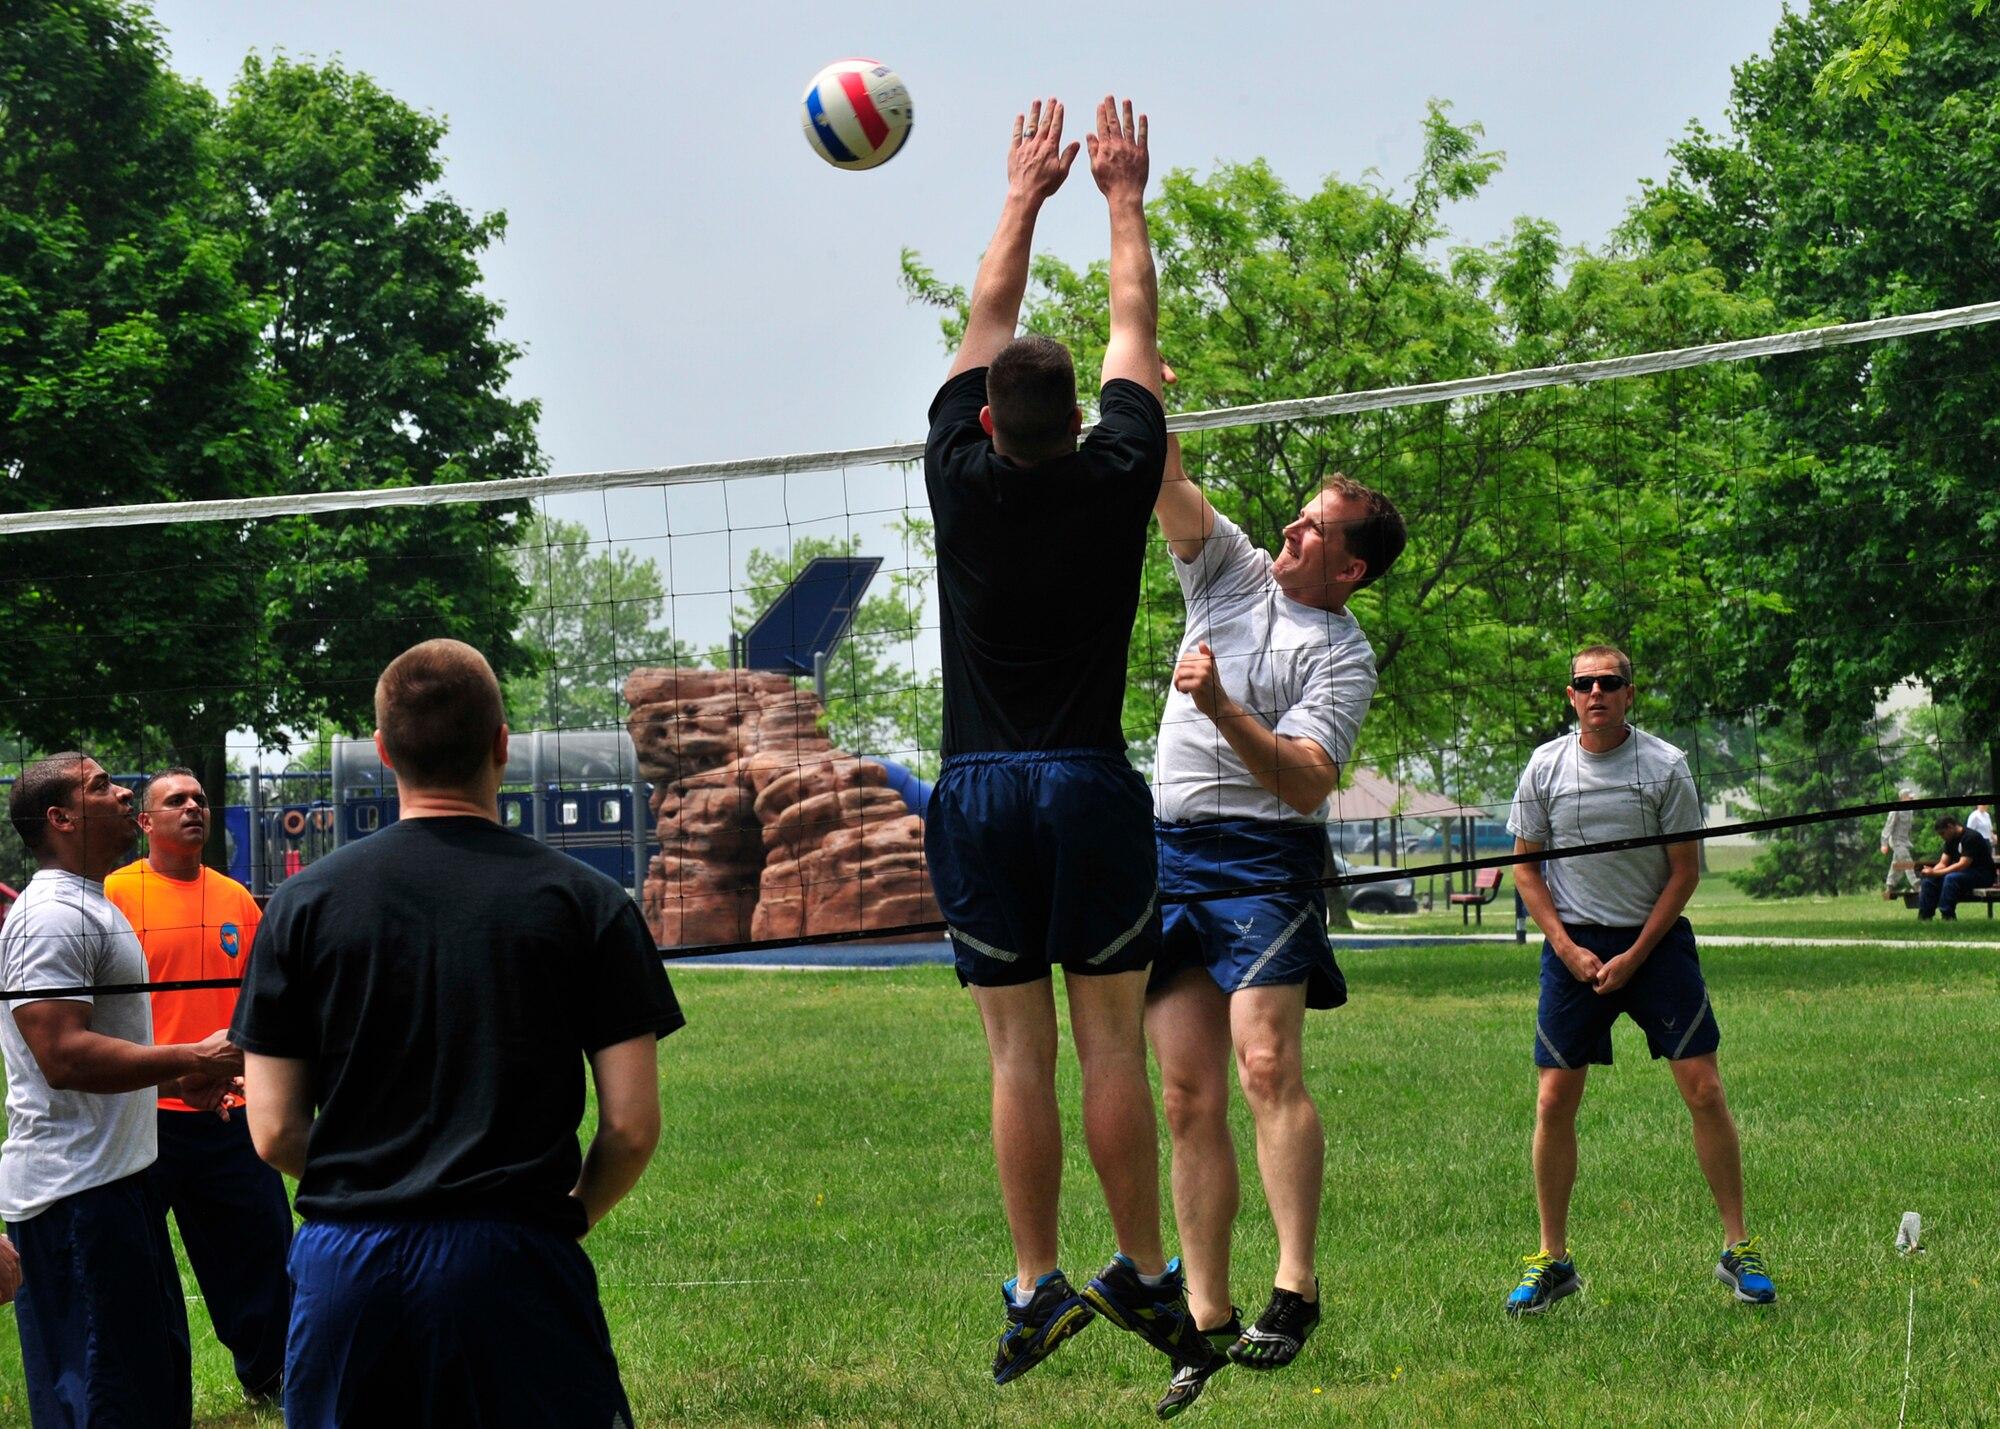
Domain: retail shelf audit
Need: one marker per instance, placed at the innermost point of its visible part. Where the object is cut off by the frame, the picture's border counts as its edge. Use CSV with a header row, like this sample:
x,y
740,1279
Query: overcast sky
x,y
691,282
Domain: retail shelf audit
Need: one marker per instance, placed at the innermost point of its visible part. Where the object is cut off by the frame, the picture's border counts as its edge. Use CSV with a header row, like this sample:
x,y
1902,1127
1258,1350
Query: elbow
x,y
634,1136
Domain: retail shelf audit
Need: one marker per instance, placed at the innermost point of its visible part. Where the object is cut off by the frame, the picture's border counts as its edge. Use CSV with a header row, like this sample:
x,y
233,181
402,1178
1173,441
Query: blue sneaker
x,y
1035,1330
1157,1314
1544,1281
1742,1270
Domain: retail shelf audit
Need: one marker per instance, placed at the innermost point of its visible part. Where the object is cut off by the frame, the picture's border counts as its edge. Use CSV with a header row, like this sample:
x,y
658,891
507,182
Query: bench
x,y
1485,888
1988,896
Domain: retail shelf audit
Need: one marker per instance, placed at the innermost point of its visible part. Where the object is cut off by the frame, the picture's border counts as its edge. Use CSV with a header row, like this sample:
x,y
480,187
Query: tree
x,y
202,303
880,701
1873,539
590,619
1882,32
1538,521
1796,774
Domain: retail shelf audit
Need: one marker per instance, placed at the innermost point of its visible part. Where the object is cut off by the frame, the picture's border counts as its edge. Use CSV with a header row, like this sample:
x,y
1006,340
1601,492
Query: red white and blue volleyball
x,y
857,114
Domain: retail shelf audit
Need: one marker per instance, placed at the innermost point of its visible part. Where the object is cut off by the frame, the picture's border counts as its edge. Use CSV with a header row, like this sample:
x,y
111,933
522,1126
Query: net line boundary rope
x,y
527,488
1307,885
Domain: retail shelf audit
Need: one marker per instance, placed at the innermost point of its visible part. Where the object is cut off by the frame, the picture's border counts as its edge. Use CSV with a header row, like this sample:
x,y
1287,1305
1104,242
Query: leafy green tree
x,y
1881,33
590,619
1872,543
1795,773
881,699
1538,521
199,302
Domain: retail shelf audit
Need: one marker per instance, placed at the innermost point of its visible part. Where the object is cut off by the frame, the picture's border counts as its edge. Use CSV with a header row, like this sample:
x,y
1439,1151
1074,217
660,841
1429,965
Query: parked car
x,y
1398,895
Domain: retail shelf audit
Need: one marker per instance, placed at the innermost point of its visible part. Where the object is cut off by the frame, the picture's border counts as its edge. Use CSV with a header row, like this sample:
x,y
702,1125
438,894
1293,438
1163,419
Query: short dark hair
x,y
1031,388
44,785
1602,652
174,771
1946,823
1378,537
437,706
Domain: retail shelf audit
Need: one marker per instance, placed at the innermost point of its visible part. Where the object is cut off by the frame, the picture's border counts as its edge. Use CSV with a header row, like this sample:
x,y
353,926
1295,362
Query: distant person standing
x,y
1898,833
234,1217
416,1023
1616,943
1980,821
104,1336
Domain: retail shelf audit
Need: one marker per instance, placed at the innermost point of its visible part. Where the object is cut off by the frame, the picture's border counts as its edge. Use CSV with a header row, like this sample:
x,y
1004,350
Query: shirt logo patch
x,y
230,940
1245,926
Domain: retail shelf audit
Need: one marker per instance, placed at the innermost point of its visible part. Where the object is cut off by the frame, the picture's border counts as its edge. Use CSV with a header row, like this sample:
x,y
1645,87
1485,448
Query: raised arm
x,y
1119,162
1184,514
1037,164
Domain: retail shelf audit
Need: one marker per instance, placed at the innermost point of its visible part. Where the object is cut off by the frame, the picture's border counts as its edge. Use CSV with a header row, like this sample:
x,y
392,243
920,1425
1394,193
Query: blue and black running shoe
x,y
1742,1270
1035,1330
1157,1314
1544,1281
1189,1380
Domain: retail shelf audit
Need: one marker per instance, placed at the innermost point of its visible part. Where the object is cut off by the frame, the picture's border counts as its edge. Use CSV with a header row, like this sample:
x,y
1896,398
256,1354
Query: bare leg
x,y
1027,1133
1268,1026
1715,1143
1560,1094
1107,1019
1189,1028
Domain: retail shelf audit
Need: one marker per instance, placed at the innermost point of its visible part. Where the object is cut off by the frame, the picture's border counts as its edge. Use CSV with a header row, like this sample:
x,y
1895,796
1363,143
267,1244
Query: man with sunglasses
x,y
1616,943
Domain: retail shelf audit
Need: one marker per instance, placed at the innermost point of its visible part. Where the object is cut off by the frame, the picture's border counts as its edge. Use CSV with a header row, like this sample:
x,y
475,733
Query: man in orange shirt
x,y
234,1218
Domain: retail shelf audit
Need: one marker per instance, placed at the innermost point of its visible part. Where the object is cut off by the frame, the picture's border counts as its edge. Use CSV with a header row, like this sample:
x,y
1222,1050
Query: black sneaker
x,y
1034,1330
1157,1314
1189,1380
1280,1332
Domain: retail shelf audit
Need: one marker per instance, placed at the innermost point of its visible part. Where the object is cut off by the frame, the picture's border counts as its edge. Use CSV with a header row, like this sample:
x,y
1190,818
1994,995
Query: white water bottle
x,y
1909,1235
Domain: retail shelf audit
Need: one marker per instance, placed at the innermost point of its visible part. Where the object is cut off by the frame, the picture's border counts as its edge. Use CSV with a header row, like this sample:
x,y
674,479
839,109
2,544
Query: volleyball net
x,y
723,677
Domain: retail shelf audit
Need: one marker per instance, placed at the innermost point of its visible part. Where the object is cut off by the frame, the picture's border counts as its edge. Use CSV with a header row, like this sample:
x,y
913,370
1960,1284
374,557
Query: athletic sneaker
x,y
1157,1314
1034,1330
1544,1281
1742,1270
1189,1380
1280,1332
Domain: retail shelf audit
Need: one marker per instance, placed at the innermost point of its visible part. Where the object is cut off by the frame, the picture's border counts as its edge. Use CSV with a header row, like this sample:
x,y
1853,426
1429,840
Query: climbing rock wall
x,y
765,829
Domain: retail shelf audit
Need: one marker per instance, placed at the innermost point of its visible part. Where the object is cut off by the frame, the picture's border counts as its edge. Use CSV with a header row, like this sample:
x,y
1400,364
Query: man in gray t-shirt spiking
x,y
1615,942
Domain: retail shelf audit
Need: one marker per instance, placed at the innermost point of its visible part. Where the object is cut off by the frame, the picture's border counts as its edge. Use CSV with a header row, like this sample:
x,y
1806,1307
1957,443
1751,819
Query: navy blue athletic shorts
x,y
446,1322
1044,858
1667,997
104,1336
1250,940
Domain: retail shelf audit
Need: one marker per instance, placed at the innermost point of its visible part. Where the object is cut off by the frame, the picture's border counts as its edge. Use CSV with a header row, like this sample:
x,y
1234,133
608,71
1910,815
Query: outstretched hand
x,y
1037,162
1118,157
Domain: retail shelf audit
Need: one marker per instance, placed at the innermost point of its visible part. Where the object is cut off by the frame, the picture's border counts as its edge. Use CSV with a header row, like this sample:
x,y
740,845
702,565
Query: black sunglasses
x,y
1610,684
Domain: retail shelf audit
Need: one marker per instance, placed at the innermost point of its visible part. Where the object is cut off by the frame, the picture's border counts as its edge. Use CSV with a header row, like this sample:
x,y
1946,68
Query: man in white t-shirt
x,y
1616,943
104,1335
1980,821
1273,679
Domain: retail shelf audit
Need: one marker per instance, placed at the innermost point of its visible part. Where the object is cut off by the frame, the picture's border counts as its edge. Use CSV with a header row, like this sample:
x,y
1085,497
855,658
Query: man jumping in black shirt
x,y
1040,833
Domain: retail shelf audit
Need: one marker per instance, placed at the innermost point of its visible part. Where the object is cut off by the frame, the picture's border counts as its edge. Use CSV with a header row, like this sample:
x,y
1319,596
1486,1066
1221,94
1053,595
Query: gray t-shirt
x,y
1569,797
1306,673
63,932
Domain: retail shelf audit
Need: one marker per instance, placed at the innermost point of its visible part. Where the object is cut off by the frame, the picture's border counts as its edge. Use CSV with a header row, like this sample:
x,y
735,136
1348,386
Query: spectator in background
x,y
1980,822
1965,864
1898,834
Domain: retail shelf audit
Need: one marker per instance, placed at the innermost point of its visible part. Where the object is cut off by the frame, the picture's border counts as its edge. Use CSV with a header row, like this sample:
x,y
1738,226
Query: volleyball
x,y
856,114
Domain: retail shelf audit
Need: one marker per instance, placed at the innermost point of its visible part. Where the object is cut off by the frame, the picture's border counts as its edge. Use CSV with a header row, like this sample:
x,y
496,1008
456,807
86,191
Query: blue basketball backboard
x,y
811,616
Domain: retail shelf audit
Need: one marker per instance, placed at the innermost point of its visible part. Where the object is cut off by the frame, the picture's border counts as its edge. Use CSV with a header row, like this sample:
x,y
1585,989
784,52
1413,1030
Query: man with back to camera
x,y
234,1217
1965,864
103,1327
1898,831
1615,942
1039,836
416,1022
1273,678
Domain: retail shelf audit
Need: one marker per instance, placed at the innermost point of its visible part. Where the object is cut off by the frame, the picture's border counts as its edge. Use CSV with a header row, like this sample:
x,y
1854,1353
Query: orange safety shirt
x,y
190,928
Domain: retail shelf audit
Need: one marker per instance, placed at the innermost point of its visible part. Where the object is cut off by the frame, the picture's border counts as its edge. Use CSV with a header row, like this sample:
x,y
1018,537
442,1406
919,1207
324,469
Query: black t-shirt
x,y
1038,571
1971,844
445,980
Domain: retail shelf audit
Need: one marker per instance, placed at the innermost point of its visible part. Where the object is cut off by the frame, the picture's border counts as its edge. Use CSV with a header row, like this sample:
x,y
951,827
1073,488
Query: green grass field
x,y
820,1238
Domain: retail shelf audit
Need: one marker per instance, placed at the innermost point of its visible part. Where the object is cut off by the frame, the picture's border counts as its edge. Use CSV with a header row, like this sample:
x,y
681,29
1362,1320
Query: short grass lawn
x,y
820,1240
